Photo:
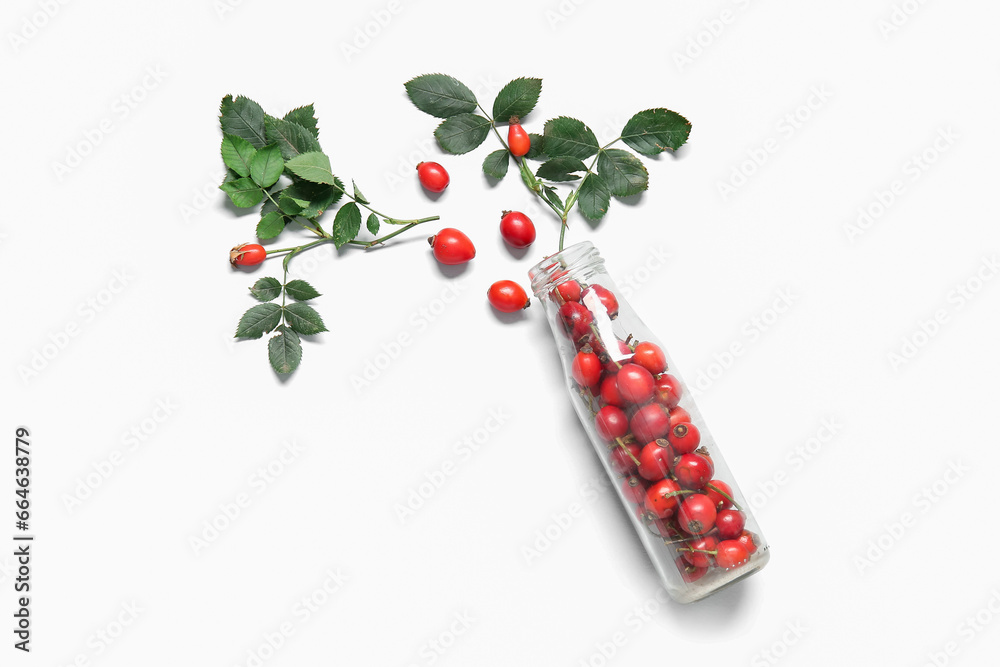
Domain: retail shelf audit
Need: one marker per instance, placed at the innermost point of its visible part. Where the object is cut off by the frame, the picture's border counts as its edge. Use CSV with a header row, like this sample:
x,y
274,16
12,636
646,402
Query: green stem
x,y
387,218
316,229
383,239
297,249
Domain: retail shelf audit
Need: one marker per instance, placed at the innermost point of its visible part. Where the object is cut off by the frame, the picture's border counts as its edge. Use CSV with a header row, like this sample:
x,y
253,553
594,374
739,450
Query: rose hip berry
x,y
662,498
517,139
693,471
451,247
569,290
650,423
697,557
668,390
634,489
685,438
696,515
433,176
623,459
247,254
586,369
611,423
517,229
609,391
650,356
655,460
507,296
749,541
731,554
608,299
730,524
575,318
635,384
689,572
719,492
679,416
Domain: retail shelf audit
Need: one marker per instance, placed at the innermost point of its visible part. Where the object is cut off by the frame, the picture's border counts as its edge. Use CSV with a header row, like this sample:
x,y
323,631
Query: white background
x,y
142,202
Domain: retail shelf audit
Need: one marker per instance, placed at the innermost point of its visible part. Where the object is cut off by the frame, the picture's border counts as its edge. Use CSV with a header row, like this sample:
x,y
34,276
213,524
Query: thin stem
x,y
387,218
383,239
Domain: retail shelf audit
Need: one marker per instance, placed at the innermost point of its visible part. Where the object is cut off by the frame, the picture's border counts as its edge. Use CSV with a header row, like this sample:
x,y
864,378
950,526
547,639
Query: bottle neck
x,y
576,262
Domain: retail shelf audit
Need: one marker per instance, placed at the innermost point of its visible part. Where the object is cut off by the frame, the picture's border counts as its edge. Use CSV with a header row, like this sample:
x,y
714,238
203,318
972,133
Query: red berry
x,y
507,296
606,297
662,498
611,423
517,229
655,460
693,471
684,437
452,246
650,423
697,558
575,319
689,572
635,384
668,390
679,416
433,176
569,290
731,554
730,524
517,139
609,391
634,489
586,369
622,459
749,541
696,515
650,356
715,490
247,254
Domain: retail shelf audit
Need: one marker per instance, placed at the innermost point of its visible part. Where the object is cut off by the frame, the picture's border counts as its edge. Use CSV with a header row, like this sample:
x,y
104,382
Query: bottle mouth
x,y
570,264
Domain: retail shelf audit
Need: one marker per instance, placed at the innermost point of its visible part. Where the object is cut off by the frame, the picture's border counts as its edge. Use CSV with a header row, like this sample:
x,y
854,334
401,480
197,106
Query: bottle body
x,y
647,431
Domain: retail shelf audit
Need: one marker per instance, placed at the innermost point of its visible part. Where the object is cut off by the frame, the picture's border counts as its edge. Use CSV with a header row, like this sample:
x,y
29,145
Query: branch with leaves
x,y
562,147
258,149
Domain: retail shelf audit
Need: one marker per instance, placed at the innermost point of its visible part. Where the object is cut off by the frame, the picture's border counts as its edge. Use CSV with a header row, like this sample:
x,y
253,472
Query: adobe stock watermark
x,y
922,502
795,461
927,328
562,521
121,108
784,130
419,321
710,31
560,12
634,621
132,439
257,483
202,197
913,169
300,613
224,7
434,648
106,636
971,627
367,32
751,331
633,281
899,16
462,451
779,649
33,23
41,357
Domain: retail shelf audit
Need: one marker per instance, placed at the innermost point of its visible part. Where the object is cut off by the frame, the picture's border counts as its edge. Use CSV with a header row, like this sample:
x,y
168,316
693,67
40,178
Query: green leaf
x,y
347,224
517,98
244,192
624,173
305,117
230,176
462,133
313,166
653,131
594,197
357,194
289,205
496,163
553,197
314,198
266,166
440,95
372,224
243,118
537,147
266,289
300,290
259,320
560,169
292,138
270,225
284,350
568,137
237,153
304,319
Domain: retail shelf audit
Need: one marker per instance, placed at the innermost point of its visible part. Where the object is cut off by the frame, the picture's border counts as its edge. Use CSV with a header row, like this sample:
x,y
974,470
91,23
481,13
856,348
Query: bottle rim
x,y
563,266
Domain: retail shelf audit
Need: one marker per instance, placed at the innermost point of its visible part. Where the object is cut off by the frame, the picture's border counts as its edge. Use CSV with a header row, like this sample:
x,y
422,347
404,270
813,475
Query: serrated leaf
x,y
462,133
517,98
284,350
569,137
266,289
289,205
347,224
624,173
230,176
594,197
357,194
314,198
653,131
244,192
440,95
553,197
270,225
243,118
266,166
292,138
304,319
537,146
237,153
560,169
259,320
372,224
306,117
313,166
496,163
300,290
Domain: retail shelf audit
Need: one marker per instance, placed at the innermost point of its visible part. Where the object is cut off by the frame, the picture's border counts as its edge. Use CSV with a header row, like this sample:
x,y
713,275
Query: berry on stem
x,y
517,139
452,247
611,423
517,229
696,515
247,254
696,551
720,493
433,176
623,459
663,497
